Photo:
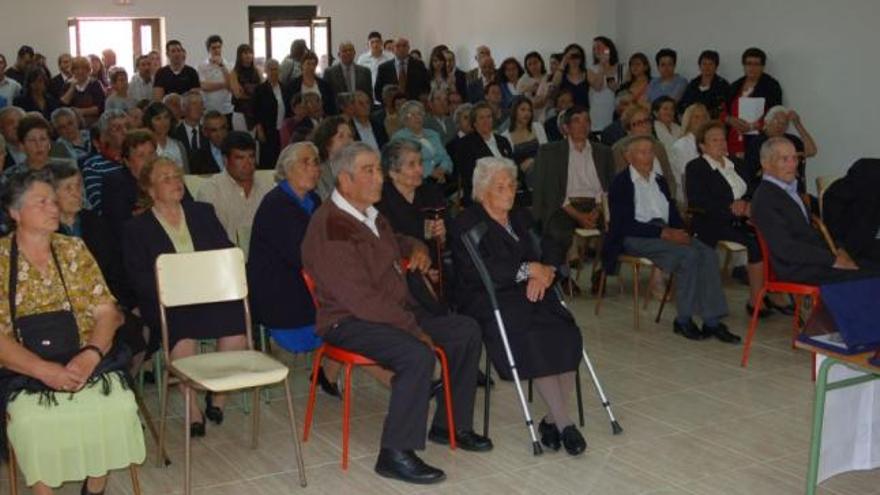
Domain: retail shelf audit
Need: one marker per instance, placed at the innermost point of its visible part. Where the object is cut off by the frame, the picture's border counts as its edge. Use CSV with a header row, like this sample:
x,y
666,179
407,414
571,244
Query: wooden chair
x,y
205,277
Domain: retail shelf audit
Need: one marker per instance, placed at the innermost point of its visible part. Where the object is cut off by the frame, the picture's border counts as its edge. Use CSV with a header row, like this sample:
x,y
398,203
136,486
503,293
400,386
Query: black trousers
x,y
413,365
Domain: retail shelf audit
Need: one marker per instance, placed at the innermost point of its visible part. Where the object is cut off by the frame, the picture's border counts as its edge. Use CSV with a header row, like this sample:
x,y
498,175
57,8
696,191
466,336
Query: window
x,y
128,37
273,29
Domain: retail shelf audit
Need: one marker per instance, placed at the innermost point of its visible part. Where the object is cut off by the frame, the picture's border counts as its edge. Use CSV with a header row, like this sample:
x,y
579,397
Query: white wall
x,y
820,51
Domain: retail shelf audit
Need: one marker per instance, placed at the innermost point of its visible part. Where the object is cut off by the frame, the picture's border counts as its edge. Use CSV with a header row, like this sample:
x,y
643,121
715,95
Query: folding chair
x,y
205,277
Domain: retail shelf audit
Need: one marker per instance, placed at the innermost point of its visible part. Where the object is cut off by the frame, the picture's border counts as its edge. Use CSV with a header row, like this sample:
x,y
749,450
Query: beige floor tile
x,y
752,480
686,410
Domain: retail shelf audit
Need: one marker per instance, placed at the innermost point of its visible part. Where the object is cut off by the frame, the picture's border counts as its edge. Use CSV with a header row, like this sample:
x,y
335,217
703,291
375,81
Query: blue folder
x,y
854,307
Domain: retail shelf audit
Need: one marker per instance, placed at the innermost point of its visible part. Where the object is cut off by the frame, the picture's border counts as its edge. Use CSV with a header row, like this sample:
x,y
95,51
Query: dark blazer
x,y
408,218
767,88
143,240
713,98
798,252
266,106
551,176
379,132
622,199
417,78
851,207
475,90
203,162
363,79
179,133
328,95
27,103
119,195
279,297
708,191
467,151
461,83
551,128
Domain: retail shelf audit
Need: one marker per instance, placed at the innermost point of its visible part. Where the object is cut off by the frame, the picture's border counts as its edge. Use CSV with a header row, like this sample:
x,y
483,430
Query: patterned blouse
x,y
36,293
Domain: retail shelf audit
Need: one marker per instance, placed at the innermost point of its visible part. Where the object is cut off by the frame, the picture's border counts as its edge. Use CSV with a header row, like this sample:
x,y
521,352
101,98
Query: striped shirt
x,y
93,172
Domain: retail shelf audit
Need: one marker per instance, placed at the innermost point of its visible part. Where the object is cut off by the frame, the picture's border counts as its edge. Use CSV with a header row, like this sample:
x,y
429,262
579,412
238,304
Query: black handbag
x,y
53,336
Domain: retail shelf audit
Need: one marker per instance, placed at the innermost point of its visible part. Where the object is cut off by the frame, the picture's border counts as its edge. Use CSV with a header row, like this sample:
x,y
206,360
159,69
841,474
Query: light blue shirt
x,y
433,152
650,202
673,89
218,156
791,190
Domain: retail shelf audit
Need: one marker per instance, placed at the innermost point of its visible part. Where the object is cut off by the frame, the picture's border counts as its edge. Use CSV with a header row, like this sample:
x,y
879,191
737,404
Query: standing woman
x,y
638,78
158,119
525,135
83,94
243,83
535,84
572,75
99,72
605,77
35,95
508,77
270,109
68,414
455,74
309,82
754,84
440,76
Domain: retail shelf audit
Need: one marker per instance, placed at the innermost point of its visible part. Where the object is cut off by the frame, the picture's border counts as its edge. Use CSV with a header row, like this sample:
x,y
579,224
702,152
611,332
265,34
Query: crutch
x,y
471,240
616,429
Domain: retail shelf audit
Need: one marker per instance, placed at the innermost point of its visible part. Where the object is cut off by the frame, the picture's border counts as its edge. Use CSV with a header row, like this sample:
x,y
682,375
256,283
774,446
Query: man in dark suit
x,y
478,144
189,131
570,177
209,159
367,128
405,71
482,52
477,86
797,250
346,76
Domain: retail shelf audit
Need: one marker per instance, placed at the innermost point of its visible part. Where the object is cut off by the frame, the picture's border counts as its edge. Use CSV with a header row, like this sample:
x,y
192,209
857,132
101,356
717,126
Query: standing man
x,y
176,77
56,84
347,77
407,72
209,158
9,87
374,57
291,66
23,62
483,51
189,130
141,85
214,77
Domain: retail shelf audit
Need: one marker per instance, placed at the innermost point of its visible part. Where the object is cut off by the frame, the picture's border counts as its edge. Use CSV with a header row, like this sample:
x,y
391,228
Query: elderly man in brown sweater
x,y
364,306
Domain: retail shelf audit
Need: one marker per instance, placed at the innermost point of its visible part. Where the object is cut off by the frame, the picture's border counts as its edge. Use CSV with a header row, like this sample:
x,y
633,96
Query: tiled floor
x,y
695,423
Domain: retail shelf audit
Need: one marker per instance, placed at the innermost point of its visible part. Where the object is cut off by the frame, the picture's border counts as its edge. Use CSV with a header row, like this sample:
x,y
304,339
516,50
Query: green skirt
x,y
86,434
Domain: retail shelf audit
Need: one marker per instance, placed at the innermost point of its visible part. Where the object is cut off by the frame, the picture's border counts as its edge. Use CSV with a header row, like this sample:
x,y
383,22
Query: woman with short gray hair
x,y
67,124
544,339
436,162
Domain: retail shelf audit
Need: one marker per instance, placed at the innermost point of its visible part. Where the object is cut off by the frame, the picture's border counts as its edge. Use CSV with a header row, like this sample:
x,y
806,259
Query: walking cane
x,y
471,240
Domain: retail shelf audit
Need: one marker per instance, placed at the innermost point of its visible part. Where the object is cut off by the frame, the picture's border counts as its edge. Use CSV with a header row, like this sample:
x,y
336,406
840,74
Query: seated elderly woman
x,y
34,135
67,124
776,123
719,193
544,339
170,226
436,162
645,222
63,403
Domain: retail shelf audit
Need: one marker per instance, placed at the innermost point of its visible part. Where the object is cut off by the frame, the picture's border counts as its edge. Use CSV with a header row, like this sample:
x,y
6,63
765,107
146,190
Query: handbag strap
x,y
13,280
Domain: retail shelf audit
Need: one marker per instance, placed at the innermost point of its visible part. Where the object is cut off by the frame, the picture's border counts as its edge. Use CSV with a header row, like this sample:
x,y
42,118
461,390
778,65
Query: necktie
x,y
347,70
195,138
401,76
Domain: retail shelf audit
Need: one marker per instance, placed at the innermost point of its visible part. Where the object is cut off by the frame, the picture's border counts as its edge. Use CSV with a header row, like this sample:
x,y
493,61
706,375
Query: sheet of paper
x,y
751,110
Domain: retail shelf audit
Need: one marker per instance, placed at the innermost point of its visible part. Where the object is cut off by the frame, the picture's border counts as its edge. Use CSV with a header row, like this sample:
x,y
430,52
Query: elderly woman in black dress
x,y
544,338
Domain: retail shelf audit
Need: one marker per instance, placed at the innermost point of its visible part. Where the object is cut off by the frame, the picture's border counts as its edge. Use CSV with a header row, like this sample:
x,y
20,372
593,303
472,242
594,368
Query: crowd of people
x,y
381,163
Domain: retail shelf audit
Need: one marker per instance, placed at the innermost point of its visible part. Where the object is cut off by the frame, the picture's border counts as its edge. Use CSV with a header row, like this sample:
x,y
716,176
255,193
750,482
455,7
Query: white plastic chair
x,y
205,277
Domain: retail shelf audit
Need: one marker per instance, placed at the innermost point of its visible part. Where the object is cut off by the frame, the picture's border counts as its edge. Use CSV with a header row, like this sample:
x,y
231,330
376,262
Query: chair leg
x,y
447,396
163,412
13,473
753,325
346,415
579,394
603,279
665,297
135,484
148,419
310,406
648,293
636,294
187,469
795,329
486,392
255,399
297,447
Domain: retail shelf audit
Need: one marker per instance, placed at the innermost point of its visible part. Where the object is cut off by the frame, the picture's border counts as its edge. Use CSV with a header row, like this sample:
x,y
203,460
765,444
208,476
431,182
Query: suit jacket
x,y
363,79
266,106
767,87
203,162
379,132
446,135
328,95
551,176
797,250
179,133
470,149
622,199
475,90
144,240
851,207
417,78
621,164
119,196
708,191
278,295
461,83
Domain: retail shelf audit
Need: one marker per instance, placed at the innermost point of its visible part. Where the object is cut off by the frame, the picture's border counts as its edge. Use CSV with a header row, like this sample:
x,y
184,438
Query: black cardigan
x,y
709,192
328,96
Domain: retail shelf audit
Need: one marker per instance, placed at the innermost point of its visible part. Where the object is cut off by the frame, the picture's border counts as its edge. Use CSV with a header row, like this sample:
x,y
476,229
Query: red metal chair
x,y
772,284
350,360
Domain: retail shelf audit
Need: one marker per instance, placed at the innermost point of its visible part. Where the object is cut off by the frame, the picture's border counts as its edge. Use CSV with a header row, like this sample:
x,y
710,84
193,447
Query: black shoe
x,y
573,441
787,310
465,439
483,380
689,330
329,388
197,429
764,312
85,489
721,333
212,412
405,465
549,435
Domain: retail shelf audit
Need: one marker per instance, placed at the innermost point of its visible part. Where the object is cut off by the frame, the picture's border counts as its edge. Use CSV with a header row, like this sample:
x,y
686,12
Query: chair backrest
x,y
218,275
769,274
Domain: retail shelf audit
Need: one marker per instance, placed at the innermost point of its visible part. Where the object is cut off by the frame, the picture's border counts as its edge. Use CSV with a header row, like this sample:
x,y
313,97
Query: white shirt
x,y
173,150
9,89
650,202
369,219
493,146
234,209
728,171
140,89
667,135
221,99
279,101
583,180
368,60
365,131
682,152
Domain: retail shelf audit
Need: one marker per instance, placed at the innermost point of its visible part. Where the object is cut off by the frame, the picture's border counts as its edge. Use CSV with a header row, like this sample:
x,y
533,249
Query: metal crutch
x,y
471,240
616,429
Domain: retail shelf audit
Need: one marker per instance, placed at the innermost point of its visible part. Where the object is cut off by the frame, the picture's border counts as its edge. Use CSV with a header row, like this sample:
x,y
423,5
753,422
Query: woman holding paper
x,y
750,96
